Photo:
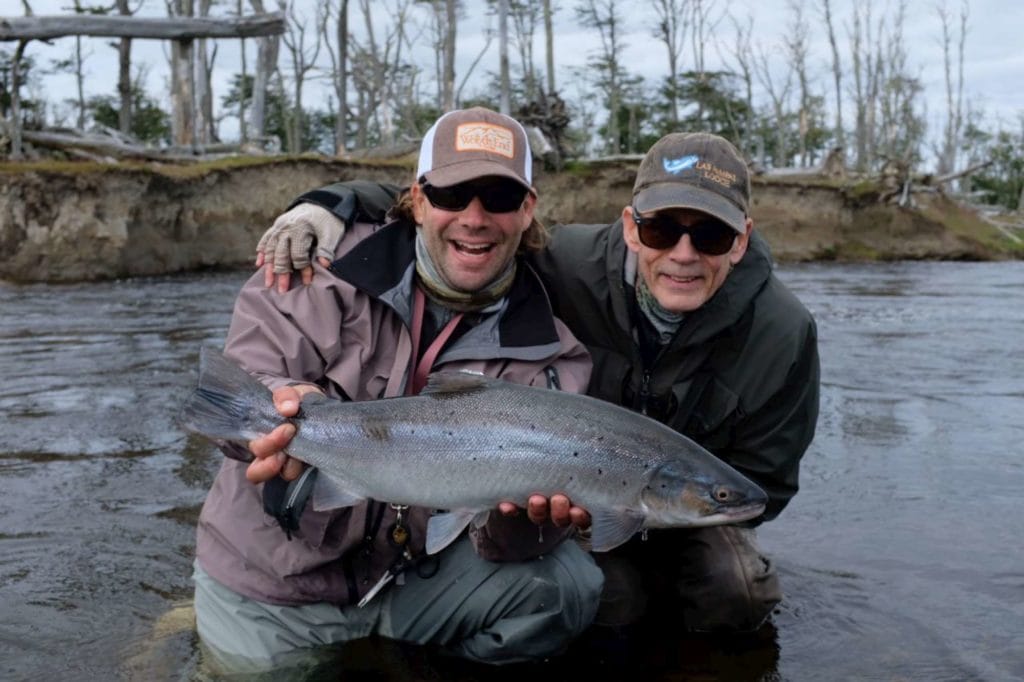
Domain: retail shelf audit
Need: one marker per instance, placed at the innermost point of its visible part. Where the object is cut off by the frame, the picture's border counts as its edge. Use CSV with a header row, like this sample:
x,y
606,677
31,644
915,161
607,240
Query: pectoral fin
x,y
612,527
442,529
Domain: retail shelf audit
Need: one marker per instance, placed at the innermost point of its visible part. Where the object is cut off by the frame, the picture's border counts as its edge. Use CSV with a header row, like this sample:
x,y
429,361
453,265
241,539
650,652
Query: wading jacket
x,y
740,377
348,333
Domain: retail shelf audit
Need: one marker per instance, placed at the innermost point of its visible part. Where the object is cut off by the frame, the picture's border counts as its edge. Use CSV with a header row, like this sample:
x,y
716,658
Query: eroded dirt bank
x,y
85,222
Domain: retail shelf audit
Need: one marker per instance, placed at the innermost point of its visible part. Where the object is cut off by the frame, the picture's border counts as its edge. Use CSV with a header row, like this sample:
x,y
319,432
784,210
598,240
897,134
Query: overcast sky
x,y
993,69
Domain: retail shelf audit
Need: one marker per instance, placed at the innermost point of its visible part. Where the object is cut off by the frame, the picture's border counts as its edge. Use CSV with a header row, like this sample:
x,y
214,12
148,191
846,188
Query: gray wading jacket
x,y
348,333
741,376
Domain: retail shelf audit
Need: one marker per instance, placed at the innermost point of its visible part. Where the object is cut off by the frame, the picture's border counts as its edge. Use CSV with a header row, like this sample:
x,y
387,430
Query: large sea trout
x,y
468,442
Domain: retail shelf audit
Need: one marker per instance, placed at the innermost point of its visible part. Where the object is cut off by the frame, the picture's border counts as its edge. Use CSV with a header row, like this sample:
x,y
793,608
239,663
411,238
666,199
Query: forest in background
x,y
782,110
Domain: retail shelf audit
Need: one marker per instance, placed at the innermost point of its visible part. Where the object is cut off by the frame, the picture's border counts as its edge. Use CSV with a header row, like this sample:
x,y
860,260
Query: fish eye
x,y
722,494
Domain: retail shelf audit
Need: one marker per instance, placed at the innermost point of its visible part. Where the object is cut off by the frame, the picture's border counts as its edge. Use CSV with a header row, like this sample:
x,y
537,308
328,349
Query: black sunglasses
x,y
497,196
711,236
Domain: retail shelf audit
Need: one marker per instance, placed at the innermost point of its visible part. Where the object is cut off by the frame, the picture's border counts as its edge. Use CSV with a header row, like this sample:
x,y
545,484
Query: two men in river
x,y
685,322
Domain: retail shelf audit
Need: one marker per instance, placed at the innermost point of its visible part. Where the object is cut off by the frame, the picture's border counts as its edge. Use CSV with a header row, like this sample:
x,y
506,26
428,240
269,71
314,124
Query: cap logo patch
x,y
485,137
674,166
716,174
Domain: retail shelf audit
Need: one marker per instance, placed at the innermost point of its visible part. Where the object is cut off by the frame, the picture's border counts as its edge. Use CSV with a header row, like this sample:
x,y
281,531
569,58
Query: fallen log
x,y
170,28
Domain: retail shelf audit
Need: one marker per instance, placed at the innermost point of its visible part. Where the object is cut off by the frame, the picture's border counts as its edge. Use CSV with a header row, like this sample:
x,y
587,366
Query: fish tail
x,y
229,403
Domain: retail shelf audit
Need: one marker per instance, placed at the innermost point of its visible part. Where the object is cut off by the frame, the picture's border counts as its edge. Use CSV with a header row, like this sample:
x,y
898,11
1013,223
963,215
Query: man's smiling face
x,y
471,247
680,277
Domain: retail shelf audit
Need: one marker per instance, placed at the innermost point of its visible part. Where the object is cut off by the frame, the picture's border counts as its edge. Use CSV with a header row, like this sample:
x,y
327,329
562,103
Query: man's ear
x,y
528,208
739,247
418,199
629,230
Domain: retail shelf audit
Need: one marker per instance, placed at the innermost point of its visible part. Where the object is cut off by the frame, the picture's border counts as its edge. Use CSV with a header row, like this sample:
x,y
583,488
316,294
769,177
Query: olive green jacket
x,y
741,376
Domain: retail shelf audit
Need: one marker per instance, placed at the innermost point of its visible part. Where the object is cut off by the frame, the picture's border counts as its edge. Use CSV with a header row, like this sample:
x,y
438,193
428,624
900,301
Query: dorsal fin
x,y
440,384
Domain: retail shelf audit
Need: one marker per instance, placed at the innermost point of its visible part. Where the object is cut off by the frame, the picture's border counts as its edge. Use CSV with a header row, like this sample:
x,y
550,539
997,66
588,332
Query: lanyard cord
x,y
421,366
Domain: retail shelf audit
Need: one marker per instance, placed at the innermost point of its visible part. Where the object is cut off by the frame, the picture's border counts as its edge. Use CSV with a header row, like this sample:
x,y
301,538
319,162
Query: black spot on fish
x,y
575,454
599,472
623,483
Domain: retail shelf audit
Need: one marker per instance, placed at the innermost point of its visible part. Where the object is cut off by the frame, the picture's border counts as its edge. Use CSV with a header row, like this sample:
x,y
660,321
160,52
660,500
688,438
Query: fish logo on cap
x,y
674,166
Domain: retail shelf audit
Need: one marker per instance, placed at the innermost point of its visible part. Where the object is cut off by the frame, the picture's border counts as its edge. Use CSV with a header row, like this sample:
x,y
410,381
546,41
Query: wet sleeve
x,y
290,337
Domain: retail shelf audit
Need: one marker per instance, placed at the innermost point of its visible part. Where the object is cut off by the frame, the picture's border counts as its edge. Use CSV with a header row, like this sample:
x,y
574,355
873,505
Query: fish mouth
x,y
733,514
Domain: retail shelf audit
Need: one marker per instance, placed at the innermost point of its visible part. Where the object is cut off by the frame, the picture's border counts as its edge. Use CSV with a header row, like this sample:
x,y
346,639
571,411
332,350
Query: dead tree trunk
x,y
124,75
170,28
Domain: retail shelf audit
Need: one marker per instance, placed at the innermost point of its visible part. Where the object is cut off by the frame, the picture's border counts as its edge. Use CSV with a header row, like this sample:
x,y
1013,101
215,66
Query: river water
x,y
901,557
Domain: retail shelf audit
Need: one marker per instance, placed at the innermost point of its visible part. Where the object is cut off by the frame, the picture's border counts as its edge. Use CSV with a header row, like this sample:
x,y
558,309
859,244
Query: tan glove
x,y
288,244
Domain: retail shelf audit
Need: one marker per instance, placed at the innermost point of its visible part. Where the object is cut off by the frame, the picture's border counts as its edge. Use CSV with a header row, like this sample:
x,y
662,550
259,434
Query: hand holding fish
x,y
559,509
271,458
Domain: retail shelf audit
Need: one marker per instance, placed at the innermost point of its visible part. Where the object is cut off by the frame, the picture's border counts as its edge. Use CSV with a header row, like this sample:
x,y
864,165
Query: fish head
x,y
682,493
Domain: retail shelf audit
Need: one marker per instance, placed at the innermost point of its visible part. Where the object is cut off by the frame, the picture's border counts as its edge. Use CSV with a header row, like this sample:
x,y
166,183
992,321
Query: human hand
x,y
271,459
559,509
288,244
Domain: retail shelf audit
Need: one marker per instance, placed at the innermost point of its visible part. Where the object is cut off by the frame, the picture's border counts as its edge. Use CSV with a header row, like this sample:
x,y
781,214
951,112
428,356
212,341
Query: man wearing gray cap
x,y
686,322
442,285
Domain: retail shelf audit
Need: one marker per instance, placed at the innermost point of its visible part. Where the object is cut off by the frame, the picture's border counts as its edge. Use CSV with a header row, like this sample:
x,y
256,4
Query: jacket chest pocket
x,y
706,406
608,378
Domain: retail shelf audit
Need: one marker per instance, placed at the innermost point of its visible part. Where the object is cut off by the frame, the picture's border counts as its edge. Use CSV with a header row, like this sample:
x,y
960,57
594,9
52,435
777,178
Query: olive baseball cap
x,y
699,171
467,144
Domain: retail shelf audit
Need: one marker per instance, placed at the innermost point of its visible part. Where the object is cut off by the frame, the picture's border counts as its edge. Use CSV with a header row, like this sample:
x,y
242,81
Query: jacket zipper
x,y
645,391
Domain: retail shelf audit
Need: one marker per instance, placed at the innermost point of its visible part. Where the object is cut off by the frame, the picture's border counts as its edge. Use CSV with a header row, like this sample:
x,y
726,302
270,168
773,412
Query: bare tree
x,y
549,46
505,84
865,51
443,24
303,59
901,129
673,23
837,72
203,65
797,46
604,16
124,74
383,81
243,131
779,94
77,67
525,16
743,56
14,129
182,80
953,128
338,54
266,63
704,22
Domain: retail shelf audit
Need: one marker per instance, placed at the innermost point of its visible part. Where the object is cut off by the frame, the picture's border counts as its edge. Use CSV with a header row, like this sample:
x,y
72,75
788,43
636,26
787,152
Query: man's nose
x,y
474,215
683,250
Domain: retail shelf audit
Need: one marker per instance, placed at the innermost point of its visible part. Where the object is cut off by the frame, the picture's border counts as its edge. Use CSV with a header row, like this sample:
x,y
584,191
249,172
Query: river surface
x,y
901,557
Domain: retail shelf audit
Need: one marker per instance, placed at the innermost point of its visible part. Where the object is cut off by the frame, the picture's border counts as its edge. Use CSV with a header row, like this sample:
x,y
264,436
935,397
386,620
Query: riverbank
x,y
71,221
